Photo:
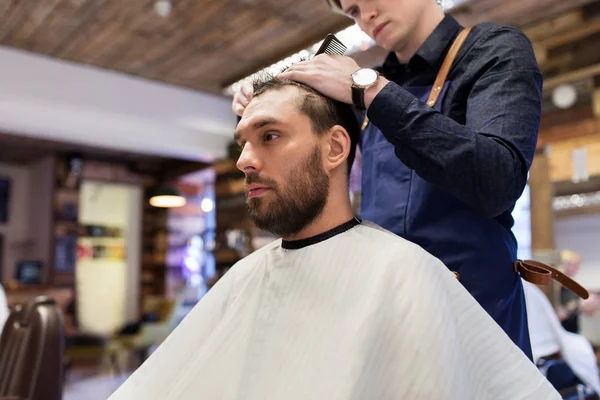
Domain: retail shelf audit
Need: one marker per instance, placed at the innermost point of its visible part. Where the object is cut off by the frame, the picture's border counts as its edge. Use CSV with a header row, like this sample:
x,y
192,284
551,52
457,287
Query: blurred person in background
x,y
565,358
570,306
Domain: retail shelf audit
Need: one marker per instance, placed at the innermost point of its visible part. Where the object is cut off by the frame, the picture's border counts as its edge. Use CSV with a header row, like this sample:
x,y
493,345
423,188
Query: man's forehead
x,y
278,104
285,98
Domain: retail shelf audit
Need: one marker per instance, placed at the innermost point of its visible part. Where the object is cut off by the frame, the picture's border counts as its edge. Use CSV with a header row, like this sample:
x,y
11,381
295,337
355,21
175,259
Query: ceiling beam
x,y
572,35
583,73
551,26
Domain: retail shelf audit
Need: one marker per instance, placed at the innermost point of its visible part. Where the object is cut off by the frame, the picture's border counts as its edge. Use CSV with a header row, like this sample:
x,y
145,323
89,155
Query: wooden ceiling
x,y
202,44
209,44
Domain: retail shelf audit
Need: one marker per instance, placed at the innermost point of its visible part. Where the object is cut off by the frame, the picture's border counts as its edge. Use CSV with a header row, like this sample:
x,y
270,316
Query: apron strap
x,y
442,74
445,69
542,274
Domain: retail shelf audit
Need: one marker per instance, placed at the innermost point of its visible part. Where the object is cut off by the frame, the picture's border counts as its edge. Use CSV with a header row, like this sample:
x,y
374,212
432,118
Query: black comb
x,y
332,45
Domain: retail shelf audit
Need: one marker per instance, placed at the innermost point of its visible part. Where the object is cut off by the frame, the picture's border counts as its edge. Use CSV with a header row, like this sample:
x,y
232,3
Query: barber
x,y
442,165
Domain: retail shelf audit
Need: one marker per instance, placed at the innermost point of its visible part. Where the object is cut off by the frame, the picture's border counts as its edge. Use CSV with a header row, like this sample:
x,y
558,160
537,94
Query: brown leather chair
x,y
31,352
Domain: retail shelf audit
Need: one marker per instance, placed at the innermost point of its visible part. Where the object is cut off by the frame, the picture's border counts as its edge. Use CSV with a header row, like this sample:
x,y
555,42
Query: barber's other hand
x,y
242,98
331,75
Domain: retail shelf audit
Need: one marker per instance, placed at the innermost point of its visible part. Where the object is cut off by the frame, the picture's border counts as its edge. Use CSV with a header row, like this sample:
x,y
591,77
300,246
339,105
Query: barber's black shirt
x,y
447,178
480,148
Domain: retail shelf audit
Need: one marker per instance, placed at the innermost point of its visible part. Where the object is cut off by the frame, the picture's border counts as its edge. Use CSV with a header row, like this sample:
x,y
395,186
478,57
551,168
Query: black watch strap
x,y
358,98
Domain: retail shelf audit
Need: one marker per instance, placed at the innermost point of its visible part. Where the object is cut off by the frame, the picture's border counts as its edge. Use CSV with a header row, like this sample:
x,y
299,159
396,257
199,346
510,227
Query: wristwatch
x,y
362,79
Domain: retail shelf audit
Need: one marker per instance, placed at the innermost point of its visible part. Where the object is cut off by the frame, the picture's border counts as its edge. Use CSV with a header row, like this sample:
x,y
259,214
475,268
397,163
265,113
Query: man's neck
x,y
335,213
431,18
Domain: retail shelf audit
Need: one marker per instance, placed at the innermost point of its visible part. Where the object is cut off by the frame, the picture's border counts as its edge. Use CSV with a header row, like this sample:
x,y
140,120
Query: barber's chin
x,y
387,44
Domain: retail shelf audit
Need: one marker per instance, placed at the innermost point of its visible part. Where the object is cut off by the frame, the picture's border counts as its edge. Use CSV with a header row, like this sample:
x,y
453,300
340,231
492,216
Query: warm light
x,y
207,205
575,201
163,7
167,201
564,96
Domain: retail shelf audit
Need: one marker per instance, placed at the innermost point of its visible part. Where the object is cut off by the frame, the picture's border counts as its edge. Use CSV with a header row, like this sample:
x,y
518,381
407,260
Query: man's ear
x,y
338,147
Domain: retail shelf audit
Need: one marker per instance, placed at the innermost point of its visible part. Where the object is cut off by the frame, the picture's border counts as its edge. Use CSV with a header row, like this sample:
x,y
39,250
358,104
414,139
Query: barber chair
x,y
31,352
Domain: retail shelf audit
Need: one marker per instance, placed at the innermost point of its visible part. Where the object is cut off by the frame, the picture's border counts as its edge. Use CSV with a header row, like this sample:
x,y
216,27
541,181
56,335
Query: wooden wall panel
x,y
561,117
558,133
561,157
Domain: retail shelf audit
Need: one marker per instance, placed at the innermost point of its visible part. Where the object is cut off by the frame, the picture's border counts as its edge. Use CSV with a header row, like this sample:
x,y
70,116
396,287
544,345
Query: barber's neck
x,y
336,212
430,19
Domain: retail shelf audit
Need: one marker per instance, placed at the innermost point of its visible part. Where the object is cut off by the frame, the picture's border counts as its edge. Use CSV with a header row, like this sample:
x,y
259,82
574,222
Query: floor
x,y
93,388
88,384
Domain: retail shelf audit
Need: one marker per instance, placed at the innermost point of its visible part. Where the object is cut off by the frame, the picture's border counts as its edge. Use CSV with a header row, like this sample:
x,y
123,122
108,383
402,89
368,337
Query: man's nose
x,y
368,15
248,160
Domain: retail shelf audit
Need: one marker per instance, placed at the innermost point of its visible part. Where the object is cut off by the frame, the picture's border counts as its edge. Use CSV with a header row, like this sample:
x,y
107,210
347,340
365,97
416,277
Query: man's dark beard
x,y
296,206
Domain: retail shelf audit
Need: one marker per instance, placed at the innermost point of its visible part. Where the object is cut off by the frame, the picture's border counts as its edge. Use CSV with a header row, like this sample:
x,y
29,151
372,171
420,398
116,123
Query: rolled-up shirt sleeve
x,y
484,162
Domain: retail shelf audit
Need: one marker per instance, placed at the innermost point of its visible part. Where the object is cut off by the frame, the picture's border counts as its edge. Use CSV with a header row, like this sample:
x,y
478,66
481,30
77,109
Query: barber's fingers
x,y
239,103
242,98
246,89
297,74
320,61
238,109
301,66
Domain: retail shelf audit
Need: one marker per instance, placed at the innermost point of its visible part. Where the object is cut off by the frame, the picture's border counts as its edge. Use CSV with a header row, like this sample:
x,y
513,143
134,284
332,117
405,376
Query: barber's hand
x,y
330,74
326,73
242,98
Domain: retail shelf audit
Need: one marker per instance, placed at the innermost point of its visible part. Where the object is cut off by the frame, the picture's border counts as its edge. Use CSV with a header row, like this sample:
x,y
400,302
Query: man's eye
x,y
353,12
241,145
270,136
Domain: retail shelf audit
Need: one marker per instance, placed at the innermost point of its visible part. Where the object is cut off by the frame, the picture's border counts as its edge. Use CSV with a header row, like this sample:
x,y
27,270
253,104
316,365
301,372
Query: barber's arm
x,y
485,161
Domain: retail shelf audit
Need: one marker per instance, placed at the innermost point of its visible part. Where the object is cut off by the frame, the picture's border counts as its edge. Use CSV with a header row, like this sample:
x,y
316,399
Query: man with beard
x,y
338,308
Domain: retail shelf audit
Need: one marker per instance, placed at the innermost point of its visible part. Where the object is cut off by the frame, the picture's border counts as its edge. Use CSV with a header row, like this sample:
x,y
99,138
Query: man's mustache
x,y
255,178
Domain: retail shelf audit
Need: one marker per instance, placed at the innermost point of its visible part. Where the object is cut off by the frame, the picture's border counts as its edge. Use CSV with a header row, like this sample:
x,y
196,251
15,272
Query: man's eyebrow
x,y
261,123
347,9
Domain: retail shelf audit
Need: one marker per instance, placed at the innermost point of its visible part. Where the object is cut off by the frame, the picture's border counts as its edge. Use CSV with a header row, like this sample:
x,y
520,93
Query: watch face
x,y
364,77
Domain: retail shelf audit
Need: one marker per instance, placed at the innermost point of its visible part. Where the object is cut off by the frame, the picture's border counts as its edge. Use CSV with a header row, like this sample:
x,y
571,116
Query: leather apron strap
x,y
542,274
442,73
445,69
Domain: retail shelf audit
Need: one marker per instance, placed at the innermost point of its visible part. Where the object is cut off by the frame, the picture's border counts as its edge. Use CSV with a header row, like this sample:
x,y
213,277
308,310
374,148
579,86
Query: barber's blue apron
x,y
480,249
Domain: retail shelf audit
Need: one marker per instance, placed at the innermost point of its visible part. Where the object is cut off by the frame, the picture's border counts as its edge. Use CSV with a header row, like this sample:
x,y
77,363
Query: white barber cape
x,y
356,313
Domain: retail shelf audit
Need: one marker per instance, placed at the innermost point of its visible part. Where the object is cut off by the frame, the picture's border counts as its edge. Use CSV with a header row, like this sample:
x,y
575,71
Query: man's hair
x,y
323,111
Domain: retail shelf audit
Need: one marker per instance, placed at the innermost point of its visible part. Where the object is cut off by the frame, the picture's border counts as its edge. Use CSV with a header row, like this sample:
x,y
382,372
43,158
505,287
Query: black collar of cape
x,y
298,244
